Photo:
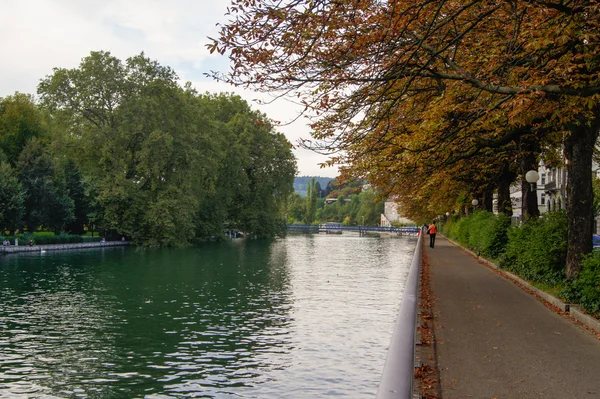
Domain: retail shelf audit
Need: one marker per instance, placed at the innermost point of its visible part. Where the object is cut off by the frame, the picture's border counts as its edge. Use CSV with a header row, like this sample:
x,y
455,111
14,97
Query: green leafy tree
x,y
20,121
318,190
270,168
165,164
311,202
12,198
295,208
370,209
77,193
132,133
253,170
46,201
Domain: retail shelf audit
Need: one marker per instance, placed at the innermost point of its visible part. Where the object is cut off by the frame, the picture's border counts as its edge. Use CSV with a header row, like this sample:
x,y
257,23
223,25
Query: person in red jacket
x,y
432,231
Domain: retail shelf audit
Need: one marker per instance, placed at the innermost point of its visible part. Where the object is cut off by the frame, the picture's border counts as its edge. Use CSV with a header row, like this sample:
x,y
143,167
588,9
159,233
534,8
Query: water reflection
x,y
300,317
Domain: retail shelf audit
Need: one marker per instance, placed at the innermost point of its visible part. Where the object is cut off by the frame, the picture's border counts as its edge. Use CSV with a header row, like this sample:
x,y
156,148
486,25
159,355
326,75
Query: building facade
x,y
391,215
551,190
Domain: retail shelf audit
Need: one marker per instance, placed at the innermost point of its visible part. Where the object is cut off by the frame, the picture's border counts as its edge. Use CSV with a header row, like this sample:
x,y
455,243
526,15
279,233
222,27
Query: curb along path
x,y
494,340
574,311
59,247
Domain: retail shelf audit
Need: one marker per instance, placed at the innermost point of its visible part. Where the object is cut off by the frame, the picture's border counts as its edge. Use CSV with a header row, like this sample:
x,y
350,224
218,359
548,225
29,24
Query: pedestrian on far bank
x,y
432,232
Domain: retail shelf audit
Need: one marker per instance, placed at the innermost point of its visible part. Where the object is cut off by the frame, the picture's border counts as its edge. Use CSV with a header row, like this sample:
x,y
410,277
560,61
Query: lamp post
x,y
532,177
529,207
474,203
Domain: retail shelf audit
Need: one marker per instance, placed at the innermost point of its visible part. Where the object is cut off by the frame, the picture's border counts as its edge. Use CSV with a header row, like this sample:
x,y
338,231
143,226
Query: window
x,y
543,180
543,197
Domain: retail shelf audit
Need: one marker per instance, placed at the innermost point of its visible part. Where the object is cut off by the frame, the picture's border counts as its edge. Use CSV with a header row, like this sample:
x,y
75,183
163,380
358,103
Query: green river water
x,y
300,317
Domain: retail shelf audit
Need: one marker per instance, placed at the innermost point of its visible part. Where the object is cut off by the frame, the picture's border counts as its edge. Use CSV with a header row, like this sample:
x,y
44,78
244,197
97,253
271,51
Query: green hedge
x,y
483,232
537,250
586,289
47,238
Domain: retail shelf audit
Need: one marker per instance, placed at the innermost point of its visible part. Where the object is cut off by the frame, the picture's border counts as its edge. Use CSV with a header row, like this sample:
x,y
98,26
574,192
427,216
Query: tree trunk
x,y
579,147
506,178
488,201
529,191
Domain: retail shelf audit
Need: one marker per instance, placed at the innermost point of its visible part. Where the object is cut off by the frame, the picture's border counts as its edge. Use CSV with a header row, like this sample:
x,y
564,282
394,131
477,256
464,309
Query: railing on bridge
x,y
303,228
397,379
361,229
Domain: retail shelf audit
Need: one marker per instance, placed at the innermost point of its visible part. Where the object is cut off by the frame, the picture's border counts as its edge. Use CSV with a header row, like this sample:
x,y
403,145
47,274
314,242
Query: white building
x,y
551,190
391,215
550,194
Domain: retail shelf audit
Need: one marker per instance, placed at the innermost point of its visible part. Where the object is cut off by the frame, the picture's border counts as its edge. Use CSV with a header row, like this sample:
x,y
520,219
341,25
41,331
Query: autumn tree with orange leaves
x,y
448,77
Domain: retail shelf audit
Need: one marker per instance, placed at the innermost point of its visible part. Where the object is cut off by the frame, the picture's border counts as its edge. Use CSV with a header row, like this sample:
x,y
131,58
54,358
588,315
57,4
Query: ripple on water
x,y
306,316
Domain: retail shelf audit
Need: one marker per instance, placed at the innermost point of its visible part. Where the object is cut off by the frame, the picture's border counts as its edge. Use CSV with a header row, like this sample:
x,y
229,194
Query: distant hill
x,y
301,183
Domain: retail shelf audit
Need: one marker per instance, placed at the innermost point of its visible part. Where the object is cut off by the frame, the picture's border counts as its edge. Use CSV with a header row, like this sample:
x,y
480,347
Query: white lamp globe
x,y
532,176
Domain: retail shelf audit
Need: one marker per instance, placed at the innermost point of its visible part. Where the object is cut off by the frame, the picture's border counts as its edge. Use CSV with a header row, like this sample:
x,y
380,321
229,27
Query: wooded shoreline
x,y
59,247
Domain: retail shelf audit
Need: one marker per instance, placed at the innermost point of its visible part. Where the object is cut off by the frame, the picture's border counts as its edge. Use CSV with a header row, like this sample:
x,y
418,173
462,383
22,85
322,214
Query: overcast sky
x,y
37,35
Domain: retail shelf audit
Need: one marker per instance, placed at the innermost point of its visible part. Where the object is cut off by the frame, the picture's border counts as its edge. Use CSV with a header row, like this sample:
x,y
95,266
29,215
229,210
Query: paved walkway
x,y
494,340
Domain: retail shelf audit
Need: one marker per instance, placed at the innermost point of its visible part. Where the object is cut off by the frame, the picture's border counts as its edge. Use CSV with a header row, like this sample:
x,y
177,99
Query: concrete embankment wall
x,y
59,247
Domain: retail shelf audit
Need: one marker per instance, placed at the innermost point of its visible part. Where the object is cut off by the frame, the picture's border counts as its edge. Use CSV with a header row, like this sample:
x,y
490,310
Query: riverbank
x,y
60,247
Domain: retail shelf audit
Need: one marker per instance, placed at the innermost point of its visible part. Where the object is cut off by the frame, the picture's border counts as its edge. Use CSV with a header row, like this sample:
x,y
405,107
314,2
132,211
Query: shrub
x,y
460,231
537,250
481,231
494,236
585,290
478,225
42,238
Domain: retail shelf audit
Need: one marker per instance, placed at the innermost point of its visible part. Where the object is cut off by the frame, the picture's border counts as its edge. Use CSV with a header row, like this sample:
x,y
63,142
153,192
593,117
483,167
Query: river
x,y
308,316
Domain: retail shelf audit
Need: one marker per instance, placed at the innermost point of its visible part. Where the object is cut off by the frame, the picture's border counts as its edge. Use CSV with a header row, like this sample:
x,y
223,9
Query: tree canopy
x,y
127,150
419,94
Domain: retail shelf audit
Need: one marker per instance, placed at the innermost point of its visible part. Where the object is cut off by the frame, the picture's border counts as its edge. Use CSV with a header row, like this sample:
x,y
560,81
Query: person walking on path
x,y
432,231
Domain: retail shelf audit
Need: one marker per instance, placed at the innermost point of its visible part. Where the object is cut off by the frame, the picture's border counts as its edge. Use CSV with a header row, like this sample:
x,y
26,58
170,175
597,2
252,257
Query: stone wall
x,y
59,247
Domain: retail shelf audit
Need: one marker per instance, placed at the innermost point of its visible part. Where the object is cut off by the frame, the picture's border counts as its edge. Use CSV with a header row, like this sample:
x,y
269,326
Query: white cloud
x,y
38,35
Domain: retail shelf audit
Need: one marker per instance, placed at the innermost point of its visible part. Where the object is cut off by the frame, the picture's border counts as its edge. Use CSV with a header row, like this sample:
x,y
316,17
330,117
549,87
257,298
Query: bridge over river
x,y
336,228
